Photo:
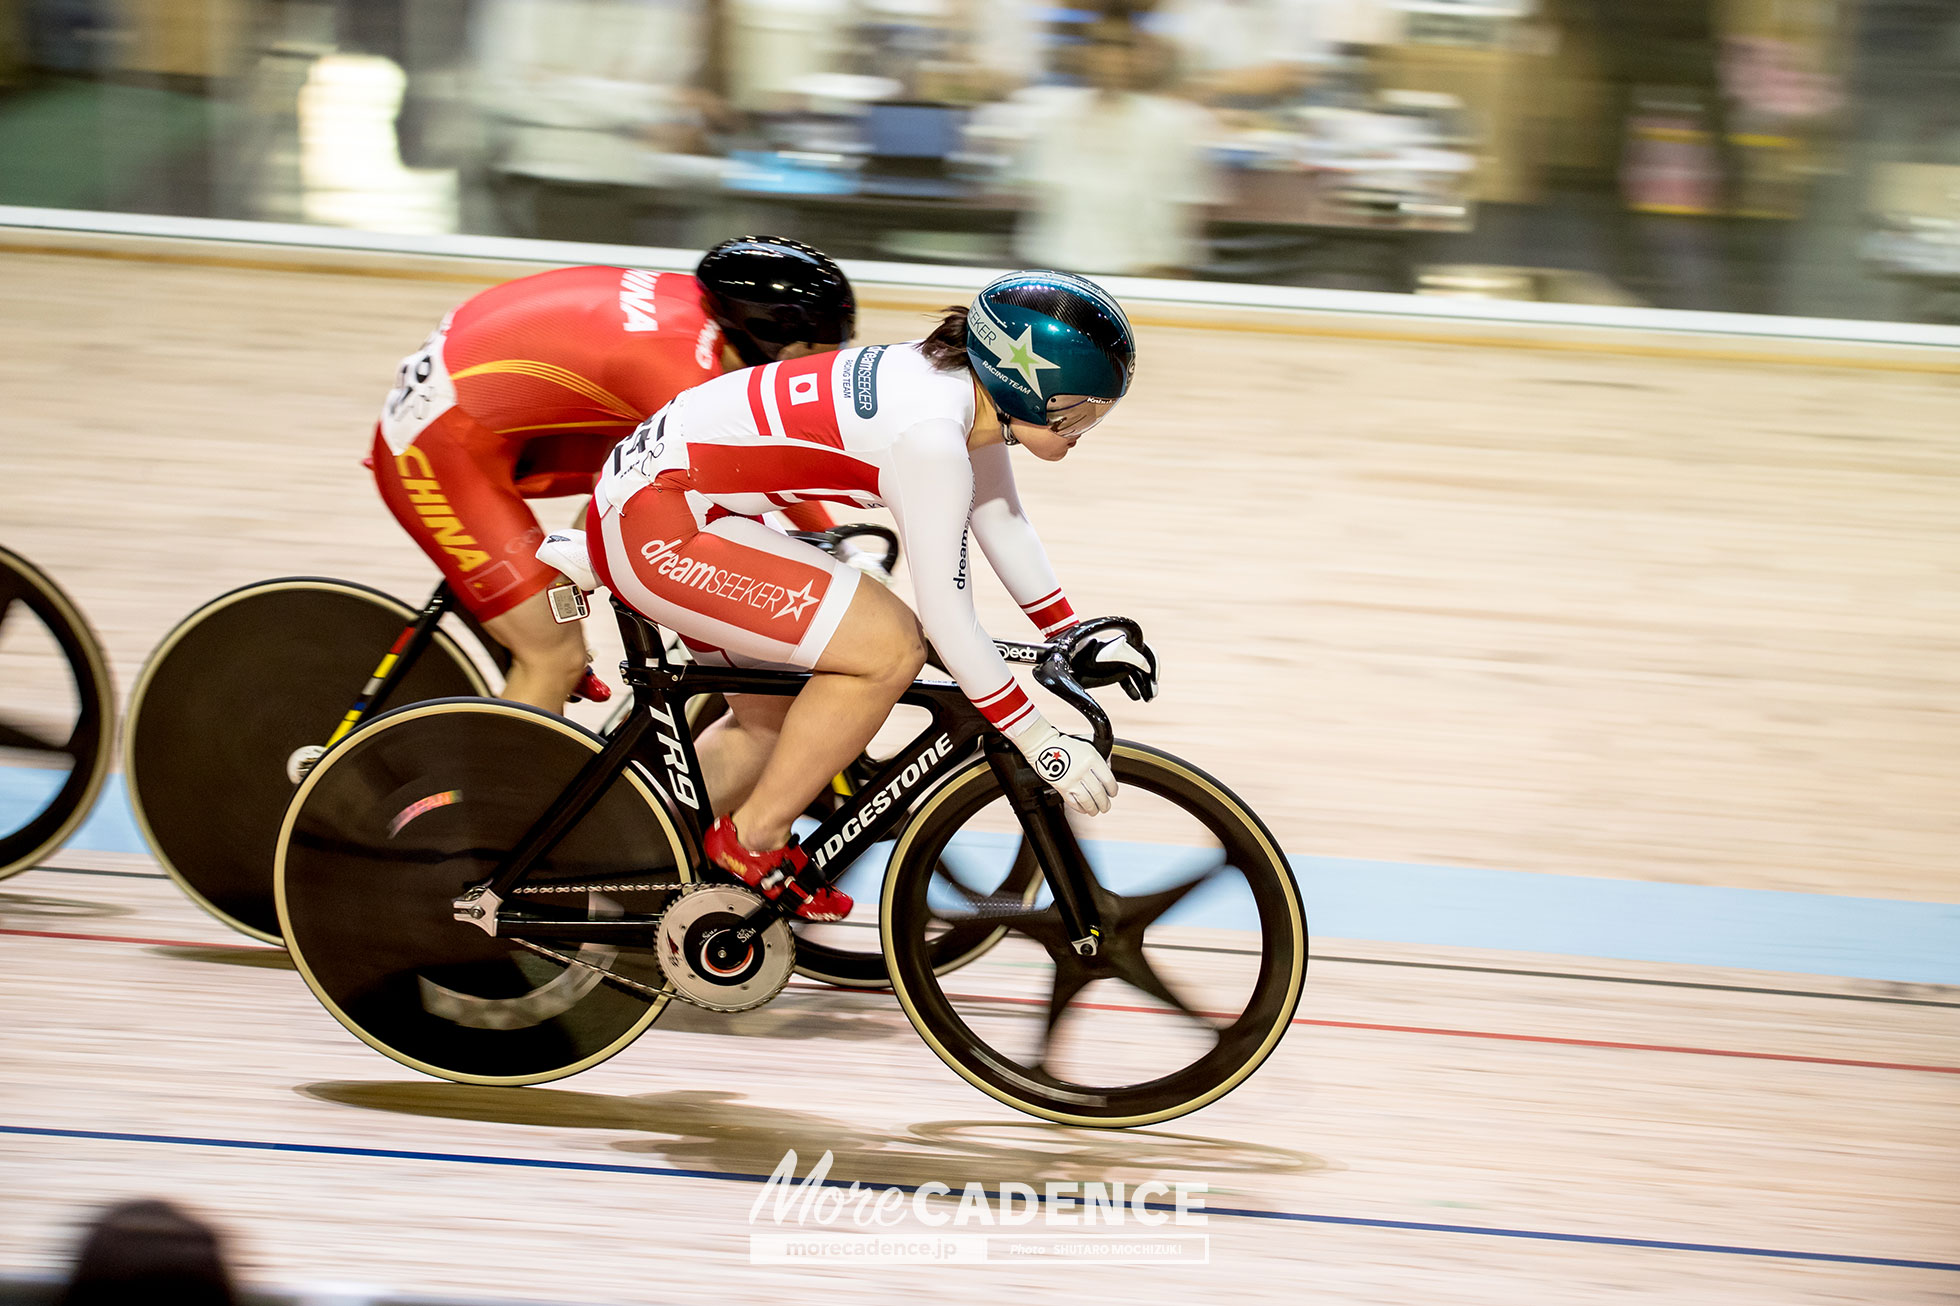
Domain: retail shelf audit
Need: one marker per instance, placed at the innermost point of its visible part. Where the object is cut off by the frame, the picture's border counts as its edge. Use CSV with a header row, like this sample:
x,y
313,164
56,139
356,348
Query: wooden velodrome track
x,y
1607,613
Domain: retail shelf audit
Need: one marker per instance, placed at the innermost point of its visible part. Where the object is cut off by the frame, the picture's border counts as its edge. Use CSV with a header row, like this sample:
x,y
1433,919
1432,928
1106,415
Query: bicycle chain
x,y
566,958
655,886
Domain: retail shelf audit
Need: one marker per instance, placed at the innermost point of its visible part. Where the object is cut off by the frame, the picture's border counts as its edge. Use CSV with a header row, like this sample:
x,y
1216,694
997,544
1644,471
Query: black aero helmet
x,y
767,292
1050,348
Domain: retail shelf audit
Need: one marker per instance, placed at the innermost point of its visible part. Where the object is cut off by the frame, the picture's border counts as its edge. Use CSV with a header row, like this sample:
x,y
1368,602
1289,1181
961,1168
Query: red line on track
x,y
1297,1020
1511,1038
1639,1047
126,938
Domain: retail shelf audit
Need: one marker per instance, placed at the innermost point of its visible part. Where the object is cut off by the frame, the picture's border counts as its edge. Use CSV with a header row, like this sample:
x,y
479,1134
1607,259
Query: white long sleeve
x,y
928,484
1013,549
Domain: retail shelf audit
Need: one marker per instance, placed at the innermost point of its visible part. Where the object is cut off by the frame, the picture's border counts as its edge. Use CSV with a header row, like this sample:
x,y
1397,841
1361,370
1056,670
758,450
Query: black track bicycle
x,y
57,707
494,895
246,694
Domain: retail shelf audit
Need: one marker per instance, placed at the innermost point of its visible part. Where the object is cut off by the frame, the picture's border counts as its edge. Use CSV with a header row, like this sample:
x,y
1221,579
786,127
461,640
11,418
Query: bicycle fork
x,y
1044,822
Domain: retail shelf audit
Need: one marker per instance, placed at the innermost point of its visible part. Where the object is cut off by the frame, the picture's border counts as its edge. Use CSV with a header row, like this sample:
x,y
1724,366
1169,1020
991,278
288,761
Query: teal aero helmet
x,y
1050,348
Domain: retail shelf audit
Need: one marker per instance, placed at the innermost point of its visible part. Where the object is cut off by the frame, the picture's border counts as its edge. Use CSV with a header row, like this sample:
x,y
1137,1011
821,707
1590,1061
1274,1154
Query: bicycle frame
x,y
654,734
408,647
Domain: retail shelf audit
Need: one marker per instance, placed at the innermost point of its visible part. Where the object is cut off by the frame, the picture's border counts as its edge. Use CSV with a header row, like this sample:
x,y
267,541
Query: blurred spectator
x,y
1116,174
1246,52
1670,147
1003,43
586,90
351,172
67,36
775,45
148,1252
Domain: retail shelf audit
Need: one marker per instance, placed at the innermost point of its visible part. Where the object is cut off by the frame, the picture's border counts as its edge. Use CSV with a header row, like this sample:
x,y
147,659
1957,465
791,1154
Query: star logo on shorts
x,y
796,601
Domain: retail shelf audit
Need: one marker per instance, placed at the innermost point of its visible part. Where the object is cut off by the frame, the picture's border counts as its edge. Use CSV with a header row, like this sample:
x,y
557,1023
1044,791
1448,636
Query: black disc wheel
x,y
1190,986
56,706
415,807
227,703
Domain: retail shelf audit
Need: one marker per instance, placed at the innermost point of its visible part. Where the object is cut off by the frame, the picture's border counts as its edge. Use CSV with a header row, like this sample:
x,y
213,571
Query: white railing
x,y
957,280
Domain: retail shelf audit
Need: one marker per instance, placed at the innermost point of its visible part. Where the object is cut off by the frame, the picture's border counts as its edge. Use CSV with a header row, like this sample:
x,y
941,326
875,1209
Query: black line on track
x,y
1635,979
1317,958
84,870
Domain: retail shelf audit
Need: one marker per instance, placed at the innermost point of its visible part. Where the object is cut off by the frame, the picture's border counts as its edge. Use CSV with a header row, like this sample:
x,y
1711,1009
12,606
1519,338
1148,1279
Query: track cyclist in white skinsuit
x,y
922,428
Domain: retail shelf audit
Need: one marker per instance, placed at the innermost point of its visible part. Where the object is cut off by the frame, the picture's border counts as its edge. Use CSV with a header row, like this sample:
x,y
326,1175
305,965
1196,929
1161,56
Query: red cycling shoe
x,y
770,873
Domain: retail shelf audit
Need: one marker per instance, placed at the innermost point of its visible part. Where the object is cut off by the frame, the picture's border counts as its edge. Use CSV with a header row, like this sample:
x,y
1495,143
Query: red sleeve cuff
x,y
1006,708
1050,613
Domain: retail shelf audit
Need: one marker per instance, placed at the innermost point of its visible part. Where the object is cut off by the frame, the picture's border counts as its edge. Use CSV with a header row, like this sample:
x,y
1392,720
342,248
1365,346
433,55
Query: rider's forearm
x,y
1014,551
930,489
1011,545
968,652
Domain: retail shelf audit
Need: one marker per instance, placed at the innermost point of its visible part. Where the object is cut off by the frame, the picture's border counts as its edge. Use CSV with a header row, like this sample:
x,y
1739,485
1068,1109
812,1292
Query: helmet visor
x,y
1071,415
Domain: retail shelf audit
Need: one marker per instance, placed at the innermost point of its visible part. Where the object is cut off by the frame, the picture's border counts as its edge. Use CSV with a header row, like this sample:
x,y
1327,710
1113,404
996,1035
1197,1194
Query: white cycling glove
x,y
1070,764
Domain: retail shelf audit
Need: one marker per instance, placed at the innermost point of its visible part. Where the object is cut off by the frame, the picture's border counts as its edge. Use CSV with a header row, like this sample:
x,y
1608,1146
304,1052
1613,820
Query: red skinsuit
x,y
522,393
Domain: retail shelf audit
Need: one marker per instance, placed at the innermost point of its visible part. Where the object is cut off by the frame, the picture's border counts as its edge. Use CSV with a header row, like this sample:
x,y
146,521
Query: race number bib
x,y
422,393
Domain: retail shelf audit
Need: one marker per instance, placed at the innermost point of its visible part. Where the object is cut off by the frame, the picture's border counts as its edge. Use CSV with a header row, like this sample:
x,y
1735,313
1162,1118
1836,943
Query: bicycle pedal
x,y
791,892
591,689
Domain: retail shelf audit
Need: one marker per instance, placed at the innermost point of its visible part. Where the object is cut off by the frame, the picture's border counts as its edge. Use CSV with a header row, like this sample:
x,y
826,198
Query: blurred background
x,y
1600,686
1763,156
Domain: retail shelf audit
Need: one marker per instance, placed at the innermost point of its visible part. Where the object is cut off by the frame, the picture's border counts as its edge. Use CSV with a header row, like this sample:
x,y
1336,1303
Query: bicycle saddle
x,y
566,551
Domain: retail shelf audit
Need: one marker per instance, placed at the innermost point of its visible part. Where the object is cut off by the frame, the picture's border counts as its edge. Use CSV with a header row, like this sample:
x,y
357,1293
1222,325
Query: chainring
x,y
707,965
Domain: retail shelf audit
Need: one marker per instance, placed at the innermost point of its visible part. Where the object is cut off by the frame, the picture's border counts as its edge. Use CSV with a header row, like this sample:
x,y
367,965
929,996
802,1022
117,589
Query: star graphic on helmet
x,y
795,601
1019,355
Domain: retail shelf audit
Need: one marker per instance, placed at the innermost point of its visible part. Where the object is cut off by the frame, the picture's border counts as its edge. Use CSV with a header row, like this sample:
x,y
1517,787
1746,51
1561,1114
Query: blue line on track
x,y
737,1176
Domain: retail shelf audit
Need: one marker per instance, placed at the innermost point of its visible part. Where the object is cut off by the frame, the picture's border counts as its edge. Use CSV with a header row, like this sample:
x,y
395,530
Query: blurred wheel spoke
x,y
1071,977
983,912
1143,910
1134,968
1005,911
16,737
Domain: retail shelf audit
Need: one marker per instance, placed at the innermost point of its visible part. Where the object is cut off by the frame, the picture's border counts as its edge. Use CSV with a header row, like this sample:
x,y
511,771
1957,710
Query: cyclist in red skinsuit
x,y
522,392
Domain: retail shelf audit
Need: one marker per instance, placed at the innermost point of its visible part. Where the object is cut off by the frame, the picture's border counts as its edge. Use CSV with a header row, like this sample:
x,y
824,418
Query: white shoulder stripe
x,y
769,406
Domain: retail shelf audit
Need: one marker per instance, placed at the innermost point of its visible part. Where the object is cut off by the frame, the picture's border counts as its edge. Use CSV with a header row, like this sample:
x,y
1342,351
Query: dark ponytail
x,y
945,348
